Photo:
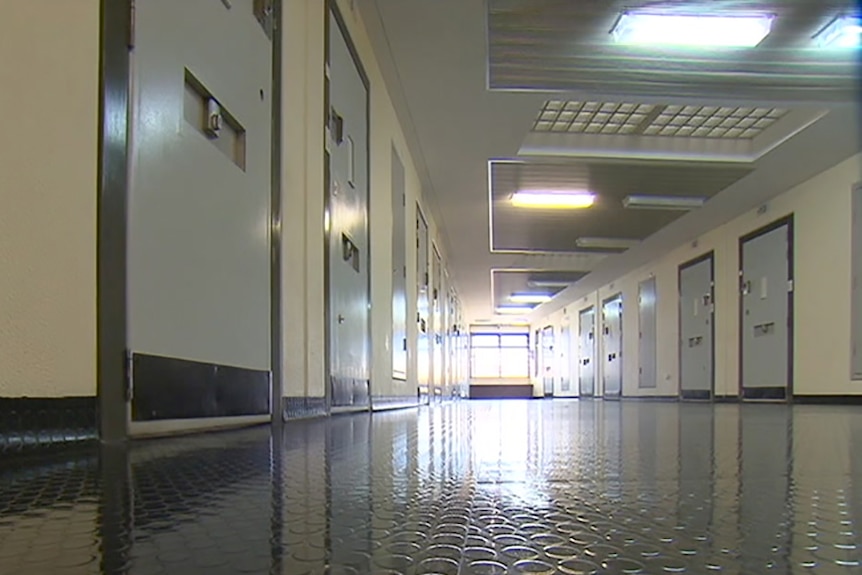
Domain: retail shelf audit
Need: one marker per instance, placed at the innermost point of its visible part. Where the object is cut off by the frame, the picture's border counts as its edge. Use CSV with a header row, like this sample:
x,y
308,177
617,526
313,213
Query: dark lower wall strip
x,y
771,393
30,425
524,391
302,407
170,388
394,402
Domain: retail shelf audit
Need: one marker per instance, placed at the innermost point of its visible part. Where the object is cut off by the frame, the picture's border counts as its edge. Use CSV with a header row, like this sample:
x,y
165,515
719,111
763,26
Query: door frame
x,y
113,365
605,301
331,7
423,279
770,227
548,329
710,257
593,358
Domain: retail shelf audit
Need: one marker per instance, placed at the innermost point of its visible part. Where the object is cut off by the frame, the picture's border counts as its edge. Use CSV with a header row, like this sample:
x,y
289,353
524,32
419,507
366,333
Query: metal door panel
x,y
765,313
612,347
564,368
647,334
696,312
547,362
399,269
348,234
436,323
198,221
423,345
587,352
856,283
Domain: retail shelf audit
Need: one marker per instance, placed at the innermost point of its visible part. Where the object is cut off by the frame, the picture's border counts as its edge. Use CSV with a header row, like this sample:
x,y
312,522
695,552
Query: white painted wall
x,y
49,73
821,209
302,225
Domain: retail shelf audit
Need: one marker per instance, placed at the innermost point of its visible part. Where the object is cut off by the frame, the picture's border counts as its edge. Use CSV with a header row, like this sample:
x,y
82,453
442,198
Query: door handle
x,y
340,319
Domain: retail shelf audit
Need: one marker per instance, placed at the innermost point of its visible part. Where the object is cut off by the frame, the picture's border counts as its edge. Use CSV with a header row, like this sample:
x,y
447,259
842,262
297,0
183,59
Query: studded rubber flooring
x,y
484,487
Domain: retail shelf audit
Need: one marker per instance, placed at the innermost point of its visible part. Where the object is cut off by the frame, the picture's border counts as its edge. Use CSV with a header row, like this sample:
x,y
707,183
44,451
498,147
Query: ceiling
x,y
507,282
564,44
494,95
525,230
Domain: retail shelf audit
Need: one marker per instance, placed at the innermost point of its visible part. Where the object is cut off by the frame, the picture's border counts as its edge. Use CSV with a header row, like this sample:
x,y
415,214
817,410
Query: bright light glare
x,y
843,32
692,30
561,200
529,298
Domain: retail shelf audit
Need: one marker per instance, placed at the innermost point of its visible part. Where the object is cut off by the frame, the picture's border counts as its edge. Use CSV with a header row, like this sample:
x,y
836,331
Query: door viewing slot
x,y
203,111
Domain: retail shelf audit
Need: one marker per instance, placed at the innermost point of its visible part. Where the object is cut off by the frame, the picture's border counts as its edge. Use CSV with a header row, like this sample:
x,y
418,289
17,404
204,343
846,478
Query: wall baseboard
x,y
302,407
490,391
171,388
726,399
32,425
828,399
384,403
658,398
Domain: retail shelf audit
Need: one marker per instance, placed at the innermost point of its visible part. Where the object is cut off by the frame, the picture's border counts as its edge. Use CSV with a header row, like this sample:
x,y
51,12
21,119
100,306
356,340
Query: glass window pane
x,y
514,341
515,363
486,362
484,340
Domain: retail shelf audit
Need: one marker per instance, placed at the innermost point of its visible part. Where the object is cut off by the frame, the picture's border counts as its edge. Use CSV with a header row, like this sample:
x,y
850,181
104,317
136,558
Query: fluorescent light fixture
x,y
530,298
606,243
556,200
843,32
514,309
548,284
728,30
681,203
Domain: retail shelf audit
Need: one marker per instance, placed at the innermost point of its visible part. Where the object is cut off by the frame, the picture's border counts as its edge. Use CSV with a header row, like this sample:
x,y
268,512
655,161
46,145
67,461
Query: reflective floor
x,y
484,487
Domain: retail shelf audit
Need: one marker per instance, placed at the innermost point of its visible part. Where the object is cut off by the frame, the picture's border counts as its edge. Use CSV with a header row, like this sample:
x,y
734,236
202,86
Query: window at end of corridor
x,y
499,352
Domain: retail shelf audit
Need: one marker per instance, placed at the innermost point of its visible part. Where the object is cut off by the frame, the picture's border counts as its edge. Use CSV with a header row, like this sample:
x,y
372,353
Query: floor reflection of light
x,y
501,452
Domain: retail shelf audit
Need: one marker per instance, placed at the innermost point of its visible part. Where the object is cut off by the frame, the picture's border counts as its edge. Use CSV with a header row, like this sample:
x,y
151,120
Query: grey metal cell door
x,y
647,334
423,342
612,347
399,269
436,323
696,330
348,228
564,355
766,286
548,370
198,260
587,352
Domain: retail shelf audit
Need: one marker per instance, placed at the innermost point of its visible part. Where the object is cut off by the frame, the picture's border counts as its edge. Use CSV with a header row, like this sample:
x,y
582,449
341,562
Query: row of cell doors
x,y
765,320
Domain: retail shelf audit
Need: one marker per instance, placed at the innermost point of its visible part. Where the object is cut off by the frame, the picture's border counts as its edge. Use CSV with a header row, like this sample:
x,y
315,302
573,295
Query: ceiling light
x,y
843,32
548,284
692,30
606,243
682,203
514,309
556,200
530,298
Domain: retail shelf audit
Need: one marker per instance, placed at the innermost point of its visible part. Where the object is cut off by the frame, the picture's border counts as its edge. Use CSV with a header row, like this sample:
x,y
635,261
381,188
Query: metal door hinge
x,y
789,286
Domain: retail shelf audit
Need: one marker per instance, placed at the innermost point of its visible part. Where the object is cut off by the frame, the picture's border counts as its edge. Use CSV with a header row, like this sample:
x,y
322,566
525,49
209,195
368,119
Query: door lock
x,y
340,319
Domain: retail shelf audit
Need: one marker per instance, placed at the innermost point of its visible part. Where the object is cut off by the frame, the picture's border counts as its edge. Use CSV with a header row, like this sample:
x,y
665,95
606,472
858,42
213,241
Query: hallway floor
x,y
475,487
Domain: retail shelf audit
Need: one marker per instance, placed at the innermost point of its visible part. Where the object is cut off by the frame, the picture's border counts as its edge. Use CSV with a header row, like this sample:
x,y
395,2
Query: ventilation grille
x,y
655,120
